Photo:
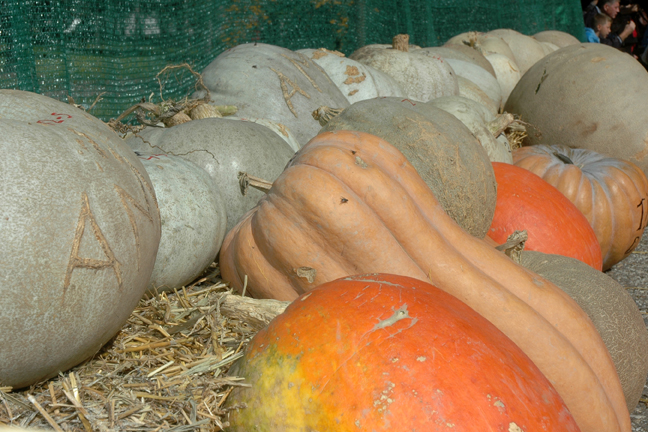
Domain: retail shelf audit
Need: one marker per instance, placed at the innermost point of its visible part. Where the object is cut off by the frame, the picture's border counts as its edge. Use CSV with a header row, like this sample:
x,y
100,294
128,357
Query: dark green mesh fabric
x,y
82,48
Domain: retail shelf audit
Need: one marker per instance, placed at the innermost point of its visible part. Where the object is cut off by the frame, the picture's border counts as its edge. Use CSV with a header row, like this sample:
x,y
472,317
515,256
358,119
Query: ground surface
x,y
632,273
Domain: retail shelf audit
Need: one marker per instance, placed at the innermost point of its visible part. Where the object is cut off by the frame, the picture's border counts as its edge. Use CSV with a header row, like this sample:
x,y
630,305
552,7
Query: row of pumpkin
x,y
391,184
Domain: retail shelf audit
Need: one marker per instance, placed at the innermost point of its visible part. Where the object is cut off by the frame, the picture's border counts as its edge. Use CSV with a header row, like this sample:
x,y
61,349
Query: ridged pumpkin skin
x,y
441,148
350,203
611,309
553,223
588,96
348,356
610,192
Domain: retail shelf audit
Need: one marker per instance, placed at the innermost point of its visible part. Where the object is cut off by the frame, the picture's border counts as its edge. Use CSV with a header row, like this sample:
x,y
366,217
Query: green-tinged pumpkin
x,y
348,356
350,203
611,309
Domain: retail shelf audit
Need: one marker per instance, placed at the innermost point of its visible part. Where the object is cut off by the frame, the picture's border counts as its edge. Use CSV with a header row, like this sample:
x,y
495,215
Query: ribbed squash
x,y
348,356
610,192
350,203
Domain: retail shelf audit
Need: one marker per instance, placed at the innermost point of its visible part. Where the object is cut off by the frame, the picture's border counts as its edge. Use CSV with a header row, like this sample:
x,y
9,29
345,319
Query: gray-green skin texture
x,y
268,81
586,96
444,152
611,309
80,229
223,148
193,219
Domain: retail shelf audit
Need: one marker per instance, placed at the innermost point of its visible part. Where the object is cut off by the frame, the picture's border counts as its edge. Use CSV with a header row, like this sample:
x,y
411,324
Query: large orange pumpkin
x,y
384,353
553,223
350,203
610,192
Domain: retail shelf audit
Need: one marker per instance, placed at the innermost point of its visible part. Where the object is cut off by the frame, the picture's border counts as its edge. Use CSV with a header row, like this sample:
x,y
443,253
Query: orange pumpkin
x,y
553,223
351,203
610,192
349,356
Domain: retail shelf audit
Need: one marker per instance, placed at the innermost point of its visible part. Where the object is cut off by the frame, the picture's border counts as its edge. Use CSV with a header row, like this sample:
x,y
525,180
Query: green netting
x,y
82,48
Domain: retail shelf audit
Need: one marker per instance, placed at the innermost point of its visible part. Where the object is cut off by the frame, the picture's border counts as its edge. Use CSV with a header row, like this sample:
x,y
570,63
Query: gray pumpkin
x,y
586,96
80,232
193,218
444,152
268,81
223,148
612,310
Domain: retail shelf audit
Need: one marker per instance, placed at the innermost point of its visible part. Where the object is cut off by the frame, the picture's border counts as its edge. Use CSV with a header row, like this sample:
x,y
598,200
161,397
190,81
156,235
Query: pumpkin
x,y
348,356
350,203
223,148
548,47
278,128
355,80
422,77
481,123
507,72
610,192
193,219
611,309
596,90
460,52
445,153
553,223
487,82
558,38
470,90
484,43
80,231
527,50
267,81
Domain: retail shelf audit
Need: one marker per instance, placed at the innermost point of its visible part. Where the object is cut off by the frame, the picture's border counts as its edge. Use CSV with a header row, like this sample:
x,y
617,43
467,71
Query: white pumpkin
x,y
80,232
355,80
193,219
422,77
267,81
487,82
470,90
481,123
558,38
527,50
507,72
548,47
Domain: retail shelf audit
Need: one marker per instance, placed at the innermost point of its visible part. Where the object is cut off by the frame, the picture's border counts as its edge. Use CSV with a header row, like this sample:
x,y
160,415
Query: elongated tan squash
x,y
350,203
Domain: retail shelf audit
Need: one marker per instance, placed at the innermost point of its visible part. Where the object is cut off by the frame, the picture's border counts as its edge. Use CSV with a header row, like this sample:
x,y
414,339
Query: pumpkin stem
x,y
514,245
563,158
246,181
400,42
324,114
256,312
500,124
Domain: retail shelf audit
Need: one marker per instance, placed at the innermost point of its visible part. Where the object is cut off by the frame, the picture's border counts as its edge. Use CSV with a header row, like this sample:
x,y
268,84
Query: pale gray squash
x,y
507,72
355,80
527,50
558,38
223,148
193,219
470,90
586,96
267,81
487,82
80,232
421,77
444,152
481,122
611,309
460,52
